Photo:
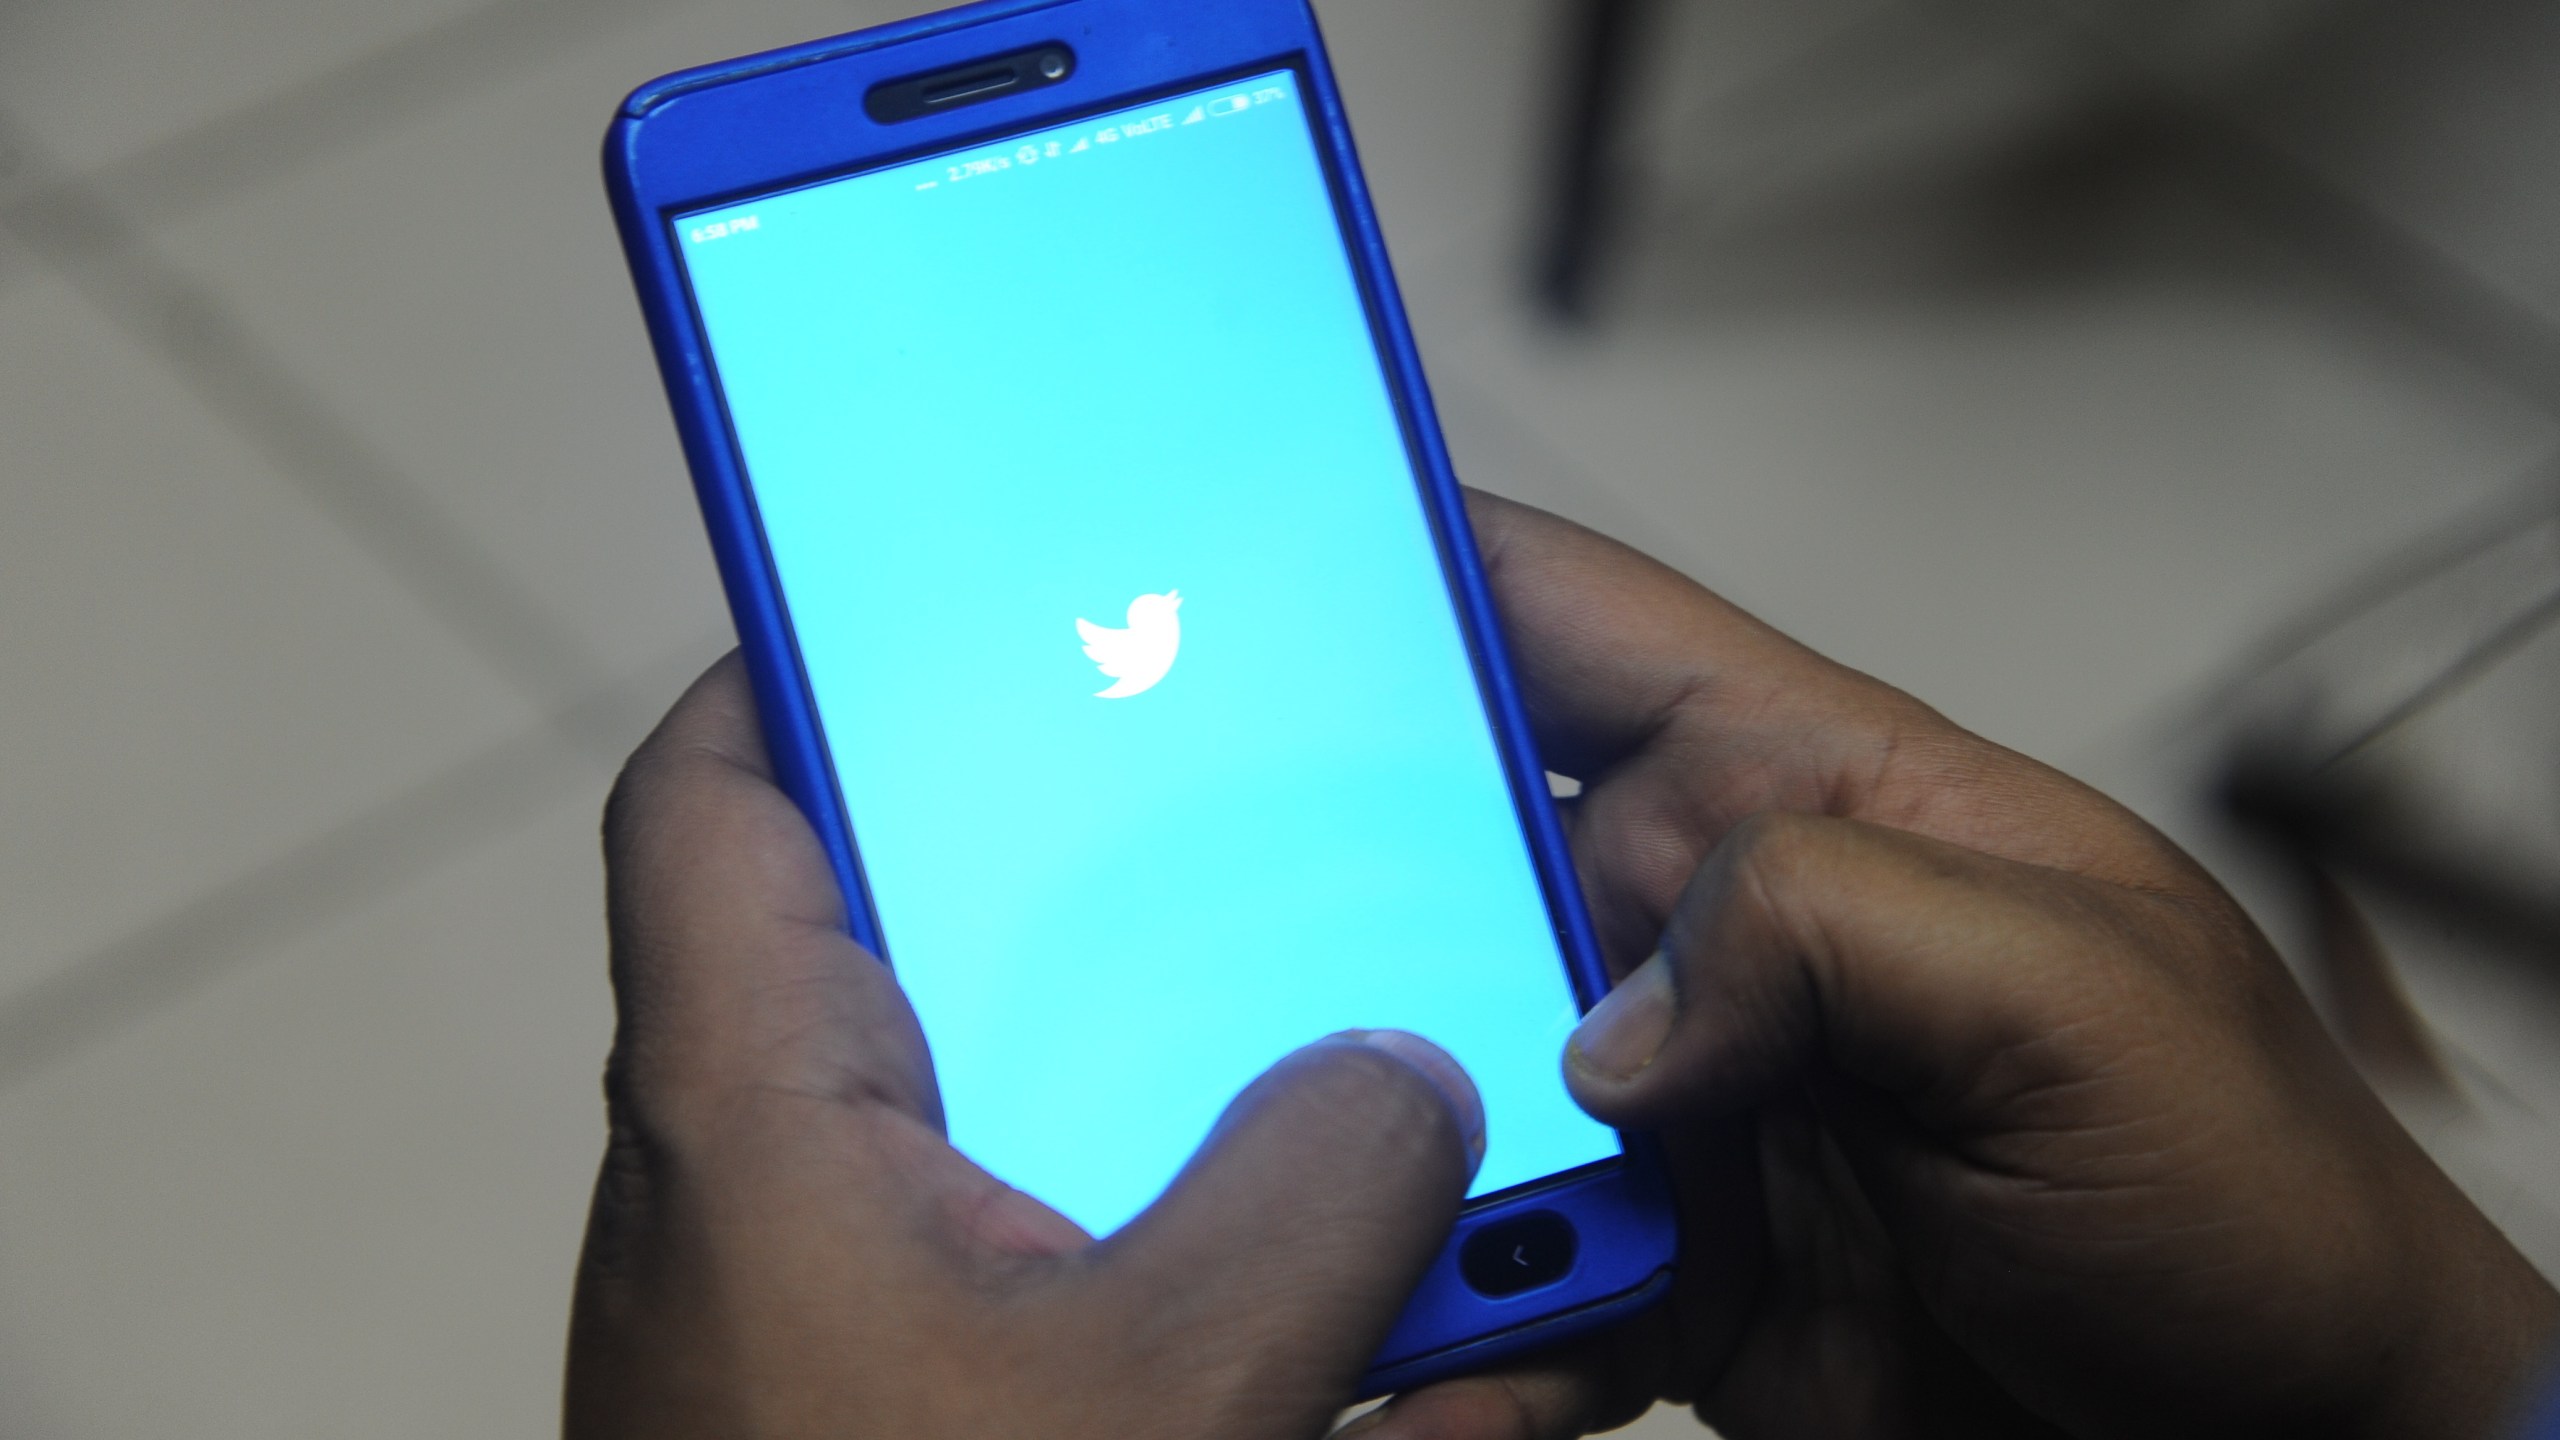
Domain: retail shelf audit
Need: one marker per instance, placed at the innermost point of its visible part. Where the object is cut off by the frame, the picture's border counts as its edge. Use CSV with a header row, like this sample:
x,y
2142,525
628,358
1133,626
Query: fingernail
x,y
1364,1425
1627,1028
1445,1074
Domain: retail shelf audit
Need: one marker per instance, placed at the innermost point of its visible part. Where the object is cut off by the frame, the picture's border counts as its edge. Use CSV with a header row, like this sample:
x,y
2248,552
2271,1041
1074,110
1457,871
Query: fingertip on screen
x,y
1446,1075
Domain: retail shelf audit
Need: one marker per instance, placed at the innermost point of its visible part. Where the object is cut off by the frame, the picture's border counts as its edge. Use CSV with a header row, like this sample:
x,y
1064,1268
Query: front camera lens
x,y
1053,65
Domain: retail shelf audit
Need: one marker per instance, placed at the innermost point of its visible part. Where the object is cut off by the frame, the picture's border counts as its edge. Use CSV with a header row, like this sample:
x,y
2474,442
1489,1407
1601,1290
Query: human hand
x,y
2048,1140
782,1244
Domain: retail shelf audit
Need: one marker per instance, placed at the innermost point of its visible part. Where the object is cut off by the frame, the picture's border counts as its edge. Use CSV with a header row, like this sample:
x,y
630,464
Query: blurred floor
x,y
344,546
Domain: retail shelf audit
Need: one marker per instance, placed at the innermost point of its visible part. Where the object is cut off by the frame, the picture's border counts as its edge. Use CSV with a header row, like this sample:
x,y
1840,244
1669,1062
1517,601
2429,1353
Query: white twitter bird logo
x,y
1139,656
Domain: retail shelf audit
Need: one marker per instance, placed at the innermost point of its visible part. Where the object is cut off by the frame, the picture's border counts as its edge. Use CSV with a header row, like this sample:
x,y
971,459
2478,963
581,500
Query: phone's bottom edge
x,y
1477,1354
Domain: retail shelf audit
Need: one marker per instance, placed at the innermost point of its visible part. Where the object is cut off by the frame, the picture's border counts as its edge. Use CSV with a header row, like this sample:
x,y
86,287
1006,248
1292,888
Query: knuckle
x,y
631,1181
1786,876
660,764
623,799
1782,853
641,791
669,795
1776,846
1906,735
635,1100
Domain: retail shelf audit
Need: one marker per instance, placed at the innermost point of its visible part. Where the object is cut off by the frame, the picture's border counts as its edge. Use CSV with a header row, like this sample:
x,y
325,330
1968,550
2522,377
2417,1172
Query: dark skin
x,y
782,1244
2051,1143
2042,1136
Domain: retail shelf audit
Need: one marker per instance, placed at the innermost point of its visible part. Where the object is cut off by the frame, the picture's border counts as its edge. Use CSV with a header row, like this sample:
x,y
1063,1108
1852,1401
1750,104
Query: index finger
x,y
731,966
1614,649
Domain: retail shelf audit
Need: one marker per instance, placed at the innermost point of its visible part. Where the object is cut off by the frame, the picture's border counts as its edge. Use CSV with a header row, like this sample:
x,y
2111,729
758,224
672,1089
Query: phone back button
x,y
1518,1254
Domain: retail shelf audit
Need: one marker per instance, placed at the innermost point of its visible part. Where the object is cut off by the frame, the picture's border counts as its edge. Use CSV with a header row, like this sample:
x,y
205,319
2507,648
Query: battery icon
x,y
1230,104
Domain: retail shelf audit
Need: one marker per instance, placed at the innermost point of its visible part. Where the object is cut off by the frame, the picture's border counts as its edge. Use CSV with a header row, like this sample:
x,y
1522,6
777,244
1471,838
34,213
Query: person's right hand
x,y
2047,1136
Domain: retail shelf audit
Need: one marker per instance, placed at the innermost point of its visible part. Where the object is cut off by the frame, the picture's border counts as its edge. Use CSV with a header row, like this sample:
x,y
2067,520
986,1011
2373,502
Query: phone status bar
x,y
1064,145
1059,146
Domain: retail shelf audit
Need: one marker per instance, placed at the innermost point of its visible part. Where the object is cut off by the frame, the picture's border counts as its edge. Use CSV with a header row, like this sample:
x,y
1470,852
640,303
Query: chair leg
x,y
1600,53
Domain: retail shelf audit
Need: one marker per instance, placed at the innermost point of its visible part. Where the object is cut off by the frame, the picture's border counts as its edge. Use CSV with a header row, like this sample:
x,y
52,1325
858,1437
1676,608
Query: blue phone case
x,y
768,121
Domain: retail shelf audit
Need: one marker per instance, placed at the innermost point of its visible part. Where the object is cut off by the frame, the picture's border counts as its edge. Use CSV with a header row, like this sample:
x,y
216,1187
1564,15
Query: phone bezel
x,y
790,118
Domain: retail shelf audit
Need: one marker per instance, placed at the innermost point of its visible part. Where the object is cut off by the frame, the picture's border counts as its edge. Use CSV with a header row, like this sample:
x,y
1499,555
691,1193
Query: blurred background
x,y
2168,390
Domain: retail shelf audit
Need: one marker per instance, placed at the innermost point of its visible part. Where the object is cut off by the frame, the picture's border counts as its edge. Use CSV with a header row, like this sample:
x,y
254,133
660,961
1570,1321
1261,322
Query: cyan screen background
x,y
977,412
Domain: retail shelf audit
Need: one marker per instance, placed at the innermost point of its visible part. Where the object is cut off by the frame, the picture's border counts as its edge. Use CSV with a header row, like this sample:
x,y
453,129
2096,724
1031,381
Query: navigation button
x,y
1508,1257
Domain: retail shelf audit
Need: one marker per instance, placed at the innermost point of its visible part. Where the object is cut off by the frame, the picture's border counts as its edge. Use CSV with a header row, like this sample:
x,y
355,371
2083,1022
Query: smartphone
x,y
1112,608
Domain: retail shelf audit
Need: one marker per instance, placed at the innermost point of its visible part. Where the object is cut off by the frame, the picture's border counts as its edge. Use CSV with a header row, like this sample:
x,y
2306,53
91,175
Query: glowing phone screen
x,y
1145,691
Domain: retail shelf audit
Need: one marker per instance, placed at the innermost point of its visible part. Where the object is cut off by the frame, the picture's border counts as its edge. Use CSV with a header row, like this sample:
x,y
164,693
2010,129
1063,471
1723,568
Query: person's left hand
x,y
784,1245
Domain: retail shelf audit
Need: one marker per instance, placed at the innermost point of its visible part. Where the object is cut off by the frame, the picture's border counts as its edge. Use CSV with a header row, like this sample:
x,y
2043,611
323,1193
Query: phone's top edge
x,y
658,92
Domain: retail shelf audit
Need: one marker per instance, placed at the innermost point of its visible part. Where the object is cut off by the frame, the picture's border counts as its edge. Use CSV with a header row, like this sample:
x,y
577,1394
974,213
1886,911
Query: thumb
x,y
1928,971
1270,1272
